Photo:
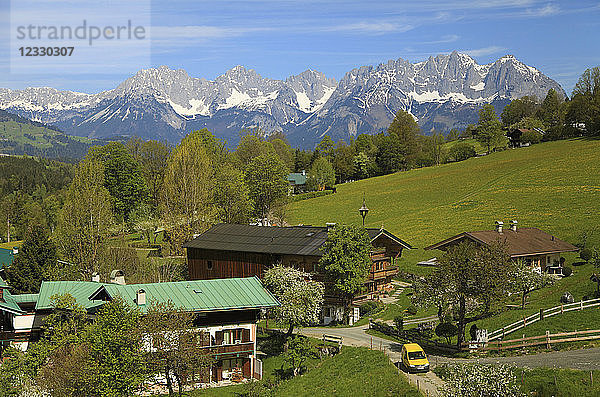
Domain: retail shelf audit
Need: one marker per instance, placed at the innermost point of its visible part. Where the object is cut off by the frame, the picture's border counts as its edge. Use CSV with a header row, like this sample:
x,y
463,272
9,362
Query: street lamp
x,y
363,210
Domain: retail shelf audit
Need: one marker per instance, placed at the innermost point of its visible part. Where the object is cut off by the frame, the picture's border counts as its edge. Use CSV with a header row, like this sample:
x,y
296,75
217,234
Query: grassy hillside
x,y
21,136
356,371
554,186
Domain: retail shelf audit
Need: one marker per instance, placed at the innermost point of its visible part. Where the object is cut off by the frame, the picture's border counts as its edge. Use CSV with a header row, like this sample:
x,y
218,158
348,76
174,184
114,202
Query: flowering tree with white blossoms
x,y
480,380
301,298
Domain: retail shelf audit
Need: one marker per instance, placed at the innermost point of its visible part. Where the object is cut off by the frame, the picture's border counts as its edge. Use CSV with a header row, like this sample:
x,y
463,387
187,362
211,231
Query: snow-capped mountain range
x,y
160,103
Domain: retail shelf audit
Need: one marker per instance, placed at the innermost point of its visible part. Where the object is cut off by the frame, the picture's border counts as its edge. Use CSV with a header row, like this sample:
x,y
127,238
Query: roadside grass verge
x,y
356,371
547,382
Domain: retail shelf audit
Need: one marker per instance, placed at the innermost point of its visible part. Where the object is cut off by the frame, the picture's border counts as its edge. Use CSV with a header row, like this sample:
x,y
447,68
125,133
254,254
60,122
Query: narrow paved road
x,y
583,359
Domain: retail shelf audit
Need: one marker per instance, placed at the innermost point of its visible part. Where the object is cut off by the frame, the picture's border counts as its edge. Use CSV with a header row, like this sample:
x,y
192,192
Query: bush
x,y
399,323
479,380
446,330
309,195
567,271
371,307
461,151
473,331
412,310
532,137
585,254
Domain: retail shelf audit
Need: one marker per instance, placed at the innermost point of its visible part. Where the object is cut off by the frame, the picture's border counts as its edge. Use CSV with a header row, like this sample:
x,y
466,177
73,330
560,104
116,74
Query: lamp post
x,y
363,210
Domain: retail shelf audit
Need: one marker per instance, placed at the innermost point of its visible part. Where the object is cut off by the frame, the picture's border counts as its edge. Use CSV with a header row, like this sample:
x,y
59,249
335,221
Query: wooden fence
x,y
548,339
542,314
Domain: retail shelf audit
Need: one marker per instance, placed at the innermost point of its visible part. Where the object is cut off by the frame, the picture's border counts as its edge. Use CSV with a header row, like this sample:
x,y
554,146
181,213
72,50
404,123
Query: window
x,y
209,265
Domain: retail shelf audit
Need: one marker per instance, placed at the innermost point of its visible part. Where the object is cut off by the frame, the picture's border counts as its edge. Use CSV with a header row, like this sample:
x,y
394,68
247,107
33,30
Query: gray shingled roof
x,y
294,240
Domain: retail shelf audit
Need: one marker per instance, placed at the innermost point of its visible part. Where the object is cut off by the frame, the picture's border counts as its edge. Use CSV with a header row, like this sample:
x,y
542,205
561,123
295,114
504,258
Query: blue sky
x,y
281,38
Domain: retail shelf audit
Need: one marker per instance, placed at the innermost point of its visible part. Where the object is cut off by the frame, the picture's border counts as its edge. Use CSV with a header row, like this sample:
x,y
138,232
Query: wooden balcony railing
x,y
227,349
377,274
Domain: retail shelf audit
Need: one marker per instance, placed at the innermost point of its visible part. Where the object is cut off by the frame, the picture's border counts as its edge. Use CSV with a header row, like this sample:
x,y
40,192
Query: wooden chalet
x,y
226,315
231,250
537,248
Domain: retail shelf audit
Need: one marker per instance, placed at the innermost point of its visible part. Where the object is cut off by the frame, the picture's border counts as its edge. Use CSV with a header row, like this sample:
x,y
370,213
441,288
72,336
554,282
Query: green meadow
x,y
554,186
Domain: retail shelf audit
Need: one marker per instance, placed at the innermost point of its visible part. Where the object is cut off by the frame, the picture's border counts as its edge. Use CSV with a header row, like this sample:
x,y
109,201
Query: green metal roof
x,y
80,290
199,295
297,178
26,298
6,257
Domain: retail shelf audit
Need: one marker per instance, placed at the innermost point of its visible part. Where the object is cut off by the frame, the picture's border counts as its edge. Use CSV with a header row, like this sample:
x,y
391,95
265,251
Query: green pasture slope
x,y
17,138
554,186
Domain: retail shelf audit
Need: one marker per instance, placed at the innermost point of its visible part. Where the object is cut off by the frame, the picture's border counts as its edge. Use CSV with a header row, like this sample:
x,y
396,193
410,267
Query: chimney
x,y
513,225
117,277
330,225
303,172
499,225
140,297
95,277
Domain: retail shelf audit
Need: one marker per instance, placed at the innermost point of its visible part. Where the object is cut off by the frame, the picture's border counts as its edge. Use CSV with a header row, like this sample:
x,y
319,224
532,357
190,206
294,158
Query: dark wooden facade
x,y
206,264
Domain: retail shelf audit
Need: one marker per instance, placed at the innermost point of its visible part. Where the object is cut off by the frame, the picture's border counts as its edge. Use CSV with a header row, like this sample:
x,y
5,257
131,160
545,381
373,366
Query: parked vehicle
x,y
414,358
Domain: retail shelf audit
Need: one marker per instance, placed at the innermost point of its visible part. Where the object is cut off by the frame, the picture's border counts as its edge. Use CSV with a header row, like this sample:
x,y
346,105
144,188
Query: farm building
x,y
226,313
537,248
230,250
297,182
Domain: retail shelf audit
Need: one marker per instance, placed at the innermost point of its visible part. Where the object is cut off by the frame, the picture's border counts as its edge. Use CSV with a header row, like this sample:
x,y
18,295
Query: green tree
x,y
152,157
122,177
188,190
549,110
266,178
461,151
446,330
362,165
232,196
406,130
526,280
469,280
325,147
86,218
283,150
301,160
346,260
390,155
300,297
343,162
116,349
250,147
299,350
321,175
518,109
489,128
36,262
584,107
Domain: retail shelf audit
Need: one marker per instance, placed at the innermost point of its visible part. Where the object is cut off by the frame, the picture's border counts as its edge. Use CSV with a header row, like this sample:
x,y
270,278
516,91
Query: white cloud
x,y
195,32
484,51
370,27
546,11
450,38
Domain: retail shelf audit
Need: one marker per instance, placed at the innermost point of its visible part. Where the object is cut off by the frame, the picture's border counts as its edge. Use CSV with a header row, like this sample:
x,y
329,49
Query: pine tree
x,y
35,262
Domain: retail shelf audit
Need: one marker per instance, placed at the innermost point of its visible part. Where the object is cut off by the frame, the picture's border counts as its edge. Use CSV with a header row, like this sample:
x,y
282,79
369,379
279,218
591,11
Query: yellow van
x,y
414,358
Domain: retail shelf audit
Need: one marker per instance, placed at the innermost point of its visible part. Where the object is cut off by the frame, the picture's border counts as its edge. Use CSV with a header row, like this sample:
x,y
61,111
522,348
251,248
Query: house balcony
x,y
383,273
217,350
